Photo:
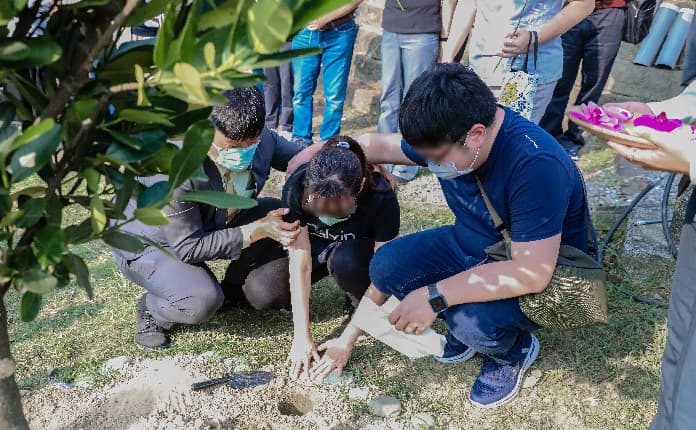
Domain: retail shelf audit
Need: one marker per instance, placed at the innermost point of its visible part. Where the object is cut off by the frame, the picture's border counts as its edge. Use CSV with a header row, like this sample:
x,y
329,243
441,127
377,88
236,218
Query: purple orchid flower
x,y
623,115
658,122
595,115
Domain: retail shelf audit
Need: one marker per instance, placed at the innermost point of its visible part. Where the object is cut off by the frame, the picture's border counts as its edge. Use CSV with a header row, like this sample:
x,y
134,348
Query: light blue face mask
x,y
236,159
448,170
329,220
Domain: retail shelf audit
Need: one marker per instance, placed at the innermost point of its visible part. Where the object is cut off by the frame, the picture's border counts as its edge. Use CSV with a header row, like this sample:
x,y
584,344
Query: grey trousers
x,y
184,293
677,403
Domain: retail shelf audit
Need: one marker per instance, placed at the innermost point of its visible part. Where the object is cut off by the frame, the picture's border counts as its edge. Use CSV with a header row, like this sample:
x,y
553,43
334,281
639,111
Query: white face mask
x,y
448,170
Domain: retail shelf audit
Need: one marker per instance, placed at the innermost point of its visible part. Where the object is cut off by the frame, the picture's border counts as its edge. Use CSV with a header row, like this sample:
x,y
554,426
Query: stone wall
x,y
628,81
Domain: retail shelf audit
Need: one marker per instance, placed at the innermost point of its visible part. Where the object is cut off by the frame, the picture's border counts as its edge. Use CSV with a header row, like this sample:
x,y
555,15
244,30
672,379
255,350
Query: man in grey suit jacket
x,y
180,286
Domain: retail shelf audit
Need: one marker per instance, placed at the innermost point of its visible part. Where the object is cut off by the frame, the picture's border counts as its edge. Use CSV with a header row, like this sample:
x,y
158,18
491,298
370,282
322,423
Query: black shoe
x,y
348,307
148,334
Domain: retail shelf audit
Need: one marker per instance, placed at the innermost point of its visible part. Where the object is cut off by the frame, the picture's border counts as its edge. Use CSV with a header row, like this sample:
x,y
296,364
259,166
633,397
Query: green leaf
x,y
219,199
164,38
269,25
220,16
33,211
93,177
147,142
184,120
140,78
80,110
151,216
76,265
48,245
36,145
155,195
274,60
142,116
305,12
31,52
123,240
147,11
209,55
196,145
29,306
11,218
9,9
128,155
191,83
170,50
38,282
98,215
7,114
79,233
123,194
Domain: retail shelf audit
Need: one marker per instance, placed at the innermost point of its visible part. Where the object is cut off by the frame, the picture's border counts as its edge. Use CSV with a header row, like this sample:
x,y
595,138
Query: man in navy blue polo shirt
x,y
452,124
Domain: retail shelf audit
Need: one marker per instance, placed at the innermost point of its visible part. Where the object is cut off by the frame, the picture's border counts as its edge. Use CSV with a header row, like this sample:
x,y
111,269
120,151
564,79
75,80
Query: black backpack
x,y
639,16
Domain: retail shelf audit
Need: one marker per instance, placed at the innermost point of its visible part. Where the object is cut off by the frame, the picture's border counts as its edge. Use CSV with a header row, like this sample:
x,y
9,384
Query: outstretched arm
x,y
462,21
303,349
383,148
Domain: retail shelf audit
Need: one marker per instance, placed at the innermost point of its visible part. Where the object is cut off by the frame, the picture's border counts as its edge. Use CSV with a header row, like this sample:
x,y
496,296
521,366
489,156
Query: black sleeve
x,y
388,218
284,151
293,191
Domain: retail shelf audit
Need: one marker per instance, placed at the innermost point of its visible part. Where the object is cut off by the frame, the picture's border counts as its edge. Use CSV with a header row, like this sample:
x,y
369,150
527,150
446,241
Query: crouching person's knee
x,y
384,270
202,306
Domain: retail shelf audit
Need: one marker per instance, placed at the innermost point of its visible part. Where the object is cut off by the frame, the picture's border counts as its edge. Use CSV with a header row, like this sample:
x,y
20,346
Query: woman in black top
x,y
346,211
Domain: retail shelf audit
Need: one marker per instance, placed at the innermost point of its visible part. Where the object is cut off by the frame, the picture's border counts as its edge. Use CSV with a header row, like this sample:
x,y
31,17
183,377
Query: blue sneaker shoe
x,y
455,351
498,384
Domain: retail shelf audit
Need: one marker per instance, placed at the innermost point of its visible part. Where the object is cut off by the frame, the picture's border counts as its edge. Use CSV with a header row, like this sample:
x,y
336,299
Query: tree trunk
x,y
11,413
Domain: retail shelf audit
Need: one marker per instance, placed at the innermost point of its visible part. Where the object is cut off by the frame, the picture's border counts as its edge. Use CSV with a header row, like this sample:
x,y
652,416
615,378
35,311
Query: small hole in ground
x,y
295,405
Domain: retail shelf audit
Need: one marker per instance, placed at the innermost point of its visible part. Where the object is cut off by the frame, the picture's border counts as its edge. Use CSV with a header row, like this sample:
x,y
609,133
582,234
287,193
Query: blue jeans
x,y
595,41
414,261
404,58
334,61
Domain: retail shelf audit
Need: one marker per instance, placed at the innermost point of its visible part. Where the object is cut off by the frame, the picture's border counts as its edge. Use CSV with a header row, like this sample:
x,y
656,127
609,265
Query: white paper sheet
x,y
374,320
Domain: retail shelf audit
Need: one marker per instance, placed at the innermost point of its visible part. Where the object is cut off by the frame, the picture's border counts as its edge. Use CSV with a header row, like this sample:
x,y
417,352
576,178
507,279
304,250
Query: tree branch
x,y
80,76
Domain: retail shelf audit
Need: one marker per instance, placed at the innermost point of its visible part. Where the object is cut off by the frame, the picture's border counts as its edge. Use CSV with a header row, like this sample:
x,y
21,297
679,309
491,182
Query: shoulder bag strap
x,y
497,220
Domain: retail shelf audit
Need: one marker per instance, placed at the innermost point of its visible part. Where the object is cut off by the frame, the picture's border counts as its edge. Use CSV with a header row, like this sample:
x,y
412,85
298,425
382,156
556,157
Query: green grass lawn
x,y
601,377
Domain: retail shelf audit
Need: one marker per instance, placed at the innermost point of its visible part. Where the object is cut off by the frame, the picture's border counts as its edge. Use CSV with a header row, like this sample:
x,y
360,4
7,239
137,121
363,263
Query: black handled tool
x,y
237,380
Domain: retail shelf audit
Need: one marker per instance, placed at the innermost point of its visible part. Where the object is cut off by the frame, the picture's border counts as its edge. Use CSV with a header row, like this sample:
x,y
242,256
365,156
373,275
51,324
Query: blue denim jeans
x,y
404,58
414,261
334,63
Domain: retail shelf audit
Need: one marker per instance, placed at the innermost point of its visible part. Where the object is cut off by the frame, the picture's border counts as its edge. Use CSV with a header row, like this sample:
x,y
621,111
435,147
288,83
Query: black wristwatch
x,y
437,300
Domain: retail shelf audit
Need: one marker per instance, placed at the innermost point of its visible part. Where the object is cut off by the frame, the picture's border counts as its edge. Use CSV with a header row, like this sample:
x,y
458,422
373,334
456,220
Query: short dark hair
x,y
442,105
243,116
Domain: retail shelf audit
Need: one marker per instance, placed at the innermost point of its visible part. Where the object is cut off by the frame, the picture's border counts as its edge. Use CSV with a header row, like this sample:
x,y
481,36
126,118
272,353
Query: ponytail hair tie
x,y
343,145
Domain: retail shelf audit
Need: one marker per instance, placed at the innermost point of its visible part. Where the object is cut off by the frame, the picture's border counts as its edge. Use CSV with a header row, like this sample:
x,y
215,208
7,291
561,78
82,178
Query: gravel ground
x,y
156,395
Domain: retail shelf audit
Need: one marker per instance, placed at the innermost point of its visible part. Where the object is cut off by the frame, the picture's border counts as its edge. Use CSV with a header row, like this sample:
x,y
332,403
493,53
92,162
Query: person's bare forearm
x,y
381,148
462,21
300,283
338,13
574,12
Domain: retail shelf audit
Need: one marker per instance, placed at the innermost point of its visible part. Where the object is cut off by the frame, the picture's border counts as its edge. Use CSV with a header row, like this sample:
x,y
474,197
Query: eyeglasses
x,y
461,142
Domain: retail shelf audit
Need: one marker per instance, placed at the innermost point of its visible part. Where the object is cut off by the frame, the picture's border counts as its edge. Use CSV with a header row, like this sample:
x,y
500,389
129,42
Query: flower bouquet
x,y
615,124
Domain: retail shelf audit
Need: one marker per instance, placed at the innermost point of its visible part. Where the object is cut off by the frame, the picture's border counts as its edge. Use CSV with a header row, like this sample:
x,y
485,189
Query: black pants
x,y
348,263
595,42
185,293
277,92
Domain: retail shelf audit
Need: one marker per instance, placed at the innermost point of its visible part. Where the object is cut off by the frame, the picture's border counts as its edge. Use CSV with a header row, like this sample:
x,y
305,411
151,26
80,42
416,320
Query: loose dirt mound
x,y
156,394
